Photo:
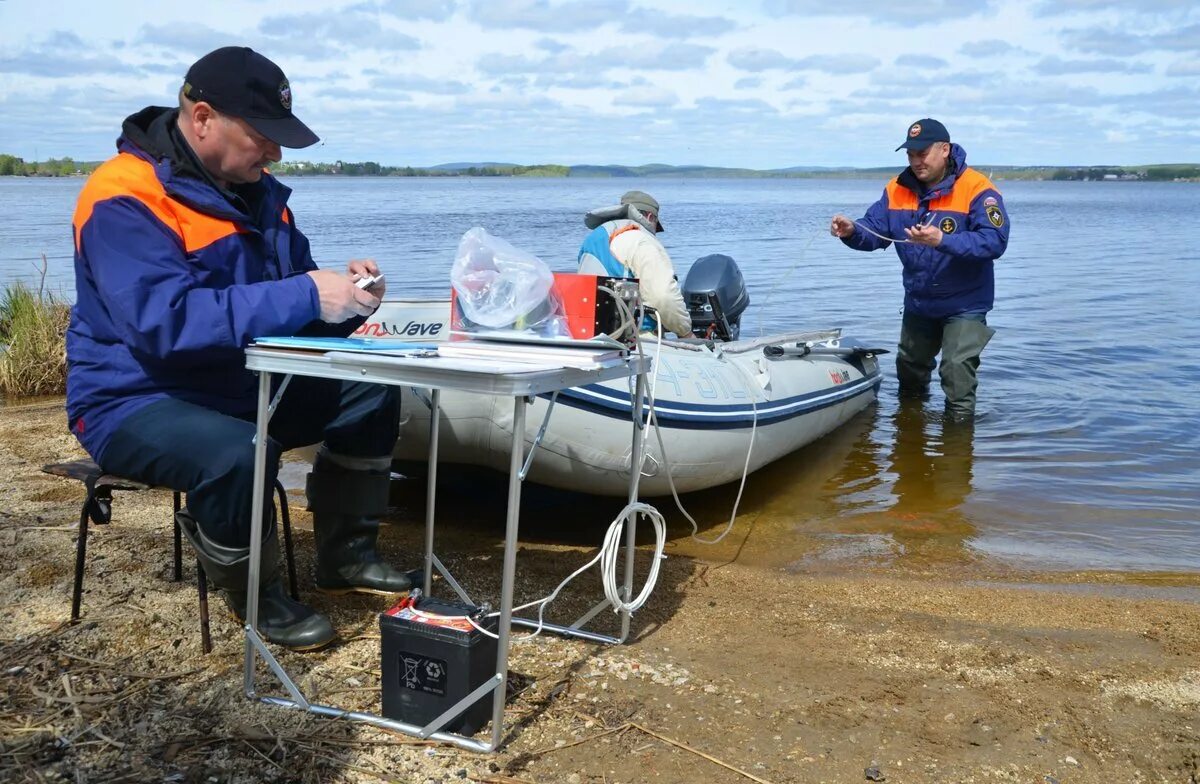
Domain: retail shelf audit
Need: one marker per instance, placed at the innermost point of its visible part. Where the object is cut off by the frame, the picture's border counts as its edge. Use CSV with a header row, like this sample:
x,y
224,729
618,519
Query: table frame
x,y
436,375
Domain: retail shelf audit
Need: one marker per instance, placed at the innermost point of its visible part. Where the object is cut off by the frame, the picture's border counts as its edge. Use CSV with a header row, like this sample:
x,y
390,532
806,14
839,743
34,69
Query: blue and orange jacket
x,y
174,277
958,275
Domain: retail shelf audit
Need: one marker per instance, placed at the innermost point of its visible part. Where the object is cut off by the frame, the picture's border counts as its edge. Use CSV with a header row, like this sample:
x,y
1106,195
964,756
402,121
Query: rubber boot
x,y
281,620
346,506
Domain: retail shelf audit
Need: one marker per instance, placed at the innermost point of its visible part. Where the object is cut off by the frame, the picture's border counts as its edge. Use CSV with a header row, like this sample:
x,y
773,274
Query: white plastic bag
x,y
503,287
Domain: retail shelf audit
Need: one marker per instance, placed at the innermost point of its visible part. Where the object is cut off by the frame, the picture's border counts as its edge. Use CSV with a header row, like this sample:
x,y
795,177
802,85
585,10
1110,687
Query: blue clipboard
x,y
347,344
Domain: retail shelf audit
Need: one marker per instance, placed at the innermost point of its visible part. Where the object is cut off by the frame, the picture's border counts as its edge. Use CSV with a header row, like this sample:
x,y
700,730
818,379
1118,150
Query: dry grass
x,y
33,328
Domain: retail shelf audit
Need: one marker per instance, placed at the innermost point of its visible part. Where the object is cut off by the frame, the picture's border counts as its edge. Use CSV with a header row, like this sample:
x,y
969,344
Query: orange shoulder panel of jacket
x,y
968,185
130,176
287,215
899,197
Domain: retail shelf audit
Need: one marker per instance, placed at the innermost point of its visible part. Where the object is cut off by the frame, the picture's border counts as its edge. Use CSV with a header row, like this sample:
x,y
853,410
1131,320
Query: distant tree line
x,y
373,169
1168,172
55,167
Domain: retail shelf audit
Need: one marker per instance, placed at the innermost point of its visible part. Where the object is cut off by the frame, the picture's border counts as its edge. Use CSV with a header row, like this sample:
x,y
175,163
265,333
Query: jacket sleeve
x,y
986,237
302,263
646,257
876,220
156,299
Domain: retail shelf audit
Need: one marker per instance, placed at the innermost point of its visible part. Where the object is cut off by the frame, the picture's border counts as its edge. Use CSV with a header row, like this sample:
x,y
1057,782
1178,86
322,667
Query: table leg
x,y
635,477
510,566
256,524
435,408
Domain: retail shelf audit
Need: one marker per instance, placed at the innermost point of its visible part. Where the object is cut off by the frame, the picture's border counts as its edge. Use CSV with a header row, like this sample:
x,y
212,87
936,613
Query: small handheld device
x,y
369,281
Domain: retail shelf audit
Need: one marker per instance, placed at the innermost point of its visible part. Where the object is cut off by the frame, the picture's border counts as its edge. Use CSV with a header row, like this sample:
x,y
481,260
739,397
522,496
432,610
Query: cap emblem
x,y
914,131
285,94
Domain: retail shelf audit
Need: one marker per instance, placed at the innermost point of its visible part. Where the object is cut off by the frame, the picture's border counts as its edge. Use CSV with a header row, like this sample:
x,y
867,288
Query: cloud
x,y
992,48
414,83
62,54
886,11
756,60
433,10
569,17
717,106
1056,66
672,57
651,98
748,83
1059,7
1184,68
662,25
799,83
1119,41
346,30
838,63
920,61
191,39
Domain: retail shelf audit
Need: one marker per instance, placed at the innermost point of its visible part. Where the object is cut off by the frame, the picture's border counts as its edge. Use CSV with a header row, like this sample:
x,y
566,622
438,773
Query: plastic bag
x,y
500,286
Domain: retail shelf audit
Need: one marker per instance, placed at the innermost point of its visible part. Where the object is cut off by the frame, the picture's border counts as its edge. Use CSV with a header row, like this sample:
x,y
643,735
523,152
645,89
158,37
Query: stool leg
x,y
202,587
80,554
178,542
286,517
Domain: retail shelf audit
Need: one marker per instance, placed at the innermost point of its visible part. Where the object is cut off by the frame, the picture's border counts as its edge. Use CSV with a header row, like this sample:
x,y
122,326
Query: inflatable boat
x,y
721,405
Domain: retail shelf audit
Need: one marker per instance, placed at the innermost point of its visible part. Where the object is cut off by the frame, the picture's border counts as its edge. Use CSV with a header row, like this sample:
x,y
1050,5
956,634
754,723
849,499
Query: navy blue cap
x,y
923,133
238,81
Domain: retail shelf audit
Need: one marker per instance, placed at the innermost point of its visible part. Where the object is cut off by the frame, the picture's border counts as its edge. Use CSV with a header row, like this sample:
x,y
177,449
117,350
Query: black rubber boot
x,y
281,620
346,507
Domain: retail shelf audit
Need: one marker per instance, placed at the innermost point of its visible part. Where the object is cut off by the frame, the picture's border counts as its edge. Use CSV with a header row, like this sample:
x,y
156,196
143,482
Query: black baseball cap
x,y
923,133
239,81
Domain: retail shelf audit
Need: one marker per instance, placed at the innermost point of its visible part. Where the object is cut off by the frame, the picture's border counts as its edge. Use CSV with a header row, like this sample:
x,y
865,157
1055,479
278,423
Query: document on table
x,y
388,347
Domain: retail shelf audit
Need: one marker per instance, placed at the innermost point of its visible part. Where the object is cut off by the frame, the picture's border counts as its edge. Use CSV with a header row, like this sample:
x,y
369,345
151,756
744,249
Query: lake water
x,y
1085,455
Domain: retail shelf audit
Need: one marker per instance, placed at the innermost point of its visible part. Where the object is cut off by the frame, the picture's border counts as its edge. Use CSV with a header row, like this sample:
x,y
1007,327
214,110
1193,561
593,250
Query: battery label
x,y
422,673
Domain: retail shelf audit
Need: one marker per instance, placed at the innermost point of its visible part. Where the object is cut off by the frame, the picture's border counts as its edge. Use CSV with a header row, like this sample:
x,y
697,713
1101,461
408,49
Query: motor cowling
x,y
716,296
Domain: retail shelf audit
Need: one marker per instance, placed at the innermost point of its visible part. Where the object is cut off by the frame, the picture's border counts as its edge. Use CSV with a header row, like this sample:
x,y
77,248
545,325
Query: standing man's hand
x,y
367,268
924,235
340,298
841,226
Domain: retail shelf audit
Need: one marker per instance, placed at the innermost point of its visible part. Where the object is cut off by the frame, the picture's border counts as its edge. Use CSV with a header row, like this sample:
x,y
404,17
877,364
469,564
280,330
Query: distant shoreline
x,y
1165,172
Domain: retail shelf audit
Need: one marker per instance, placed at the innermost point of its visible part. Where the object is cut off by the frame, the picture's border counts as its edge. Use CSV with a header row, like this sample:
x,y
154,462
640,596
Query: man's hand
x,y
367,268
841,226
924,235
340,298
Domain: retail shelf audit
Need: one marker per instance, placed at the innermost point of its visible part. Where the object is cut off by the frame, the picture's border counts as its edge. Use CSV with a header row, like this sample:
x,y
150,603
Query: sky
x,y
764,85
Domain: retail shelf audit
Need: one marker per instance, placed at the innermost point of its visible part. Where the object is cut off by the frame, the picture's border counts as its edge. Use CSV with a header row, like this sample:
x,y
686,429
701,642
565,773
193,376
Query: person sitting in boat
x,y
622,244
185,251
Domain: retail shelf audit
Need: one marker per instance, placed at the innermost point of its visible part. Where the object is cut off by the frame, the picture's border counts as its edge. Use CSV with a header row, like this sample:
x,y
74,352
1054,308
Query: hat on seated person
x,y
923,133
643,202
240,82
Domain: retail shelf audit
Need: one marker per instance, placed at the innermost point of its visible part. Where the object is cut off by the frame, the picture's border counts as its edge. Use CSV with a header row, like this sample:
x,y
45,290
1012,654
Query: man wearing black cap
x,y
185,251
949,225
623,244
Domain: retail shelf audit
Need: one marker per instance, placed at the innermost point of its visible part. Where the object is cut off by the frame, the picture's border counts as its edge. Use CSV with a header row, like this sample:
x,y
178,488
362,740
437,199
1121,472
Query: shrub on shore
x,y
33,329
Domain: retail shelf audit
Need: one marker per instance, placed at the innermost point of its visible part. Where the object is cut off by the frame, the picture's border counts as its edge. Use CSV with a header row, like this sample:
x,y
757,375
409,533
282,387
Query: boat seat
x,y
97,508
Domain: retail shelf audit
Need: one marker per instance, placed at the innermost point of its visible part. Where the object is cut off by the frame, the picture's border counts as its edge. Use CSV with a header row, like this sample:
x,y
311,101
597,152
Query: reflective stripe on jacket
x,y
958,275
172,283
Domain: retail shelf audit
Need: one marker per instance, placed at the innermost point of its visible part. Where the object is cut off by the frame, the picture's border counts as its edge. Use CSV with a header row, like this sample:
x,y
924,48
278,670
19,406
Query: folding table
x,y
521,382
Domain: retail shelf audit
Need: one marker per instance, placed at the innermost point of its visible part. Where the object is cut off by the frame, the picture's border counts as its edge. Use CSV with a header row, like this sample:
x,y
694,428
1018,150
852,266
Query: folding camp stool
x,y
97,507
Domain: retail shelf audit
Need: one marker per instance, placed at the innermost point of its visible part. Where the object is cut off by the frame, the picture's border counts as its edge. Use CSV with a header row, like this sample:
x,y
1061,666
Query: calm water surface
x,y
1085,453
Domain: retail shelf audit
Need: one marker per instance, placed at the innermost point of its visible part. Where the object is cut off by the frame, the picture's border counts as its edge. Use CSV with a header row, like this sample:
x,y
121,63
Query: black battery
x,y
432,657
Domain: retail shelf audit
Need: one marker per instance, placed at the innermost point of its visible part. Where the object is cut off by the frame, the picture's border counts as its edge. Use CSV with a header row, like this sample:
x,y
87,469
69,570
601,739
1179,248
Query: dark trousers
x,y
210,455
960,339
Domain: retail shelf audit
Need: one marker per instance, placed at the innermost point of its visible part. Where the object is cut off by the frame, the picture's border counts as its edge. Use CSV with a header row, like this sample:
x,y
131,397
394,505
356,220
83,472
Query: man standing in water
x,y
949,225
185,251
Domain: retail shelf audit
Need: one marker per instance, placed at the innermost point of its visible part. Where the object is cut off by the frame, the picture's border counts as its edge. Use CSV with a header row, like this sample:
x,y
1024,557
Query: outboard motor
x,y
715,293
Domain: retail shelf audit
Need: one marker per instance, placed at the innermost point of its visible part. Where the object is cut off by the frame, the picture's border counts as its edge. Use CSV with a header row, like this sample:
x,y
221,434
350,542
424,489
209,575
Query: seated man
x,y
622,245
185,251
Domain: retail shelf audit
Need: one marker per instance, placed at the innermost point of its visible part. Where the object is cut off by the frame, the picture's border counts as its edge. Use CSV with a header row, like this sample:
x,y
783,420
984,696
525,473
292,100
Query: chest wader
x,y
281,620
347,496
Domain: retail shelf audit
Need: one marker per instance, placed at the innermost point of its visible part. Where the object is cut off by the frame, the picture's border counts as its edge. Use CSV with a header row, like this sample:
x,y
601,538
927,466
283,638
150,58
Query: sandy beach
x,y
840,672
